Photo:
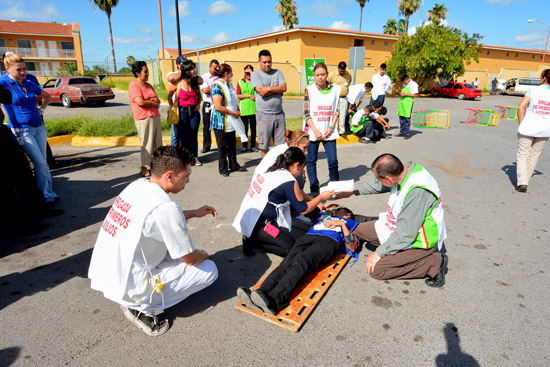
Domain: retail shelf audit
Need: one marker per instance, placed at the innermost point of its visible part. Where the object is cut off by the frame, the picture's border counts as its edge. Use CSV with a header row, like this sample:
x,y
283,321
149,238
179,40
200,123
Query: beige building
x,y
290,47
47,48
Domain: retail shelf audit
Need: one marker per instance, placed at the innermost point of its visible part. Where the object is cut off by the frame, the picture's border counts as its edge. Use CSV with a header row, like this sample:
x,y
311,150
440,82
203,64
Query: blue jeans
x,y
188,129
380,99
330,150
174,136
34,145
405,125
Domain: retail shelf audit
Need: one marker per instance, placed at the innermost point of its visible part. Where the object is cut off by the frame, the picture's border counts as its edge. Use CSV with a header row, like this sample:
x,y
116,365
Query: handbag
x,y
173,117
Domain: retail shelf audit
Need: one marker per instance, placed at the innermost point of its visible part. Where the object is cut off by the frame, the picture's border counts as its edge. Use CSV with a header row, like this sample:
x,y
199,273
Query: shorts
x,y
270,126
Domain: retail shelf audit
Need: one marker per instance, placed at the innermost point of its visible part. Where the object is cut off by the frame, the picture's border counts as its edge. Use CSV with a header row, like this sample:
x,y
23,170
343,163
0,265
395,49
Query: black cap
x,y
181,59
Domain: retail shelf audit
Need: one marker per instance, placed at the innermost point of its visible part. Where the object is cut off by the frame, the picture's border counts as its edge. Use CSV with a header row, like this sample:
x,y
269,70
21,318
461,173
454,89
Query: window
x,y
533,57
276,40
249,44
82,81
372,42
2,42
31,66
65,45
488,52
385,43
516,55
24,43
287,38
507,54
51,83
358,43
457,86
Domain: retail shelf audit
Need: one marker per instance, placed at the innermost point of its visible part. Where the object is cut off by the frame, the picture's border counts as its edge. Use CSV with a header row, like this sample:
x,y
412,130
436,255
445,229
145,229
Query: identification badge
x,y
271,230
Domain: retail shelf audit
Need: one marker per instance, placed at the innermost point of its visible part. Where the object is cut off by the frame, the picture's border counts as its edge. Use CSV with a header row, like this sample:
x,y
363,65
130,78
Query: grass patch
x,y
118,84
83,125
292,94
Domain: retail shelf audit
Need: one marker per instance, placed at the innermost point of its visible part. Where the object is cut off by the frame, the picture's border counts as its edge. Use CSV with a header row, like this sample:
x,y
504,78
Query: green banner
x,y
402,29
309,64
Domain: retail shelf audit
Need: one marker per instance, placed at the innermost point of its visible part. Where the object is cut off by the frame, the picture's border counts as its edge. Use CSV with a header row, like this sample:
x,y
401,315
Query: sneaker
x,y
365,140
522,188
254,149
401,135
224,173
386,136
197,162
148,323
244,297
260,300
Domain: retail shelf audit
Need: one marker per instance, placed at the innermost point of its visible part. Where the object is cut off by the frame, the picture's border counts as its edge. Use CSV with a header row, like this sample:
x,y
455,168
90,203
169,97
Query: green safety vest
x,y
248,106
405,104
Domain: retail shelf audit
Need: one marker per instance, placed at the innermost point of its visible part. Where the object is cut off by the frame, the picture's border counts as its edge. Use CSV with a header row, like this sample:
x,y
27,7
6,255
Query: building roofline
x,y
348,33
302,29
39,34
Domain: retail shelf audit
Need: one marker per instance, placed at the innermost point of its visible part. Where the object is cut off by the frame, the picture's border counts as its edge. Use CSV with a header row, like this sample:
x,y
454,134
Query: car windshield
x,y
82,81
469,86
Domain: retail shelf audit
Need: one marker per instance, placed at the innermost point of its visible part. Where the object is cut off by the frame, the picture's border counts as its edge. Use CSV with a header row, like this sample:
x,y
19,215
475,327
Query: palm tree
x,y
287,12
130,60
106,6
391,27
408,8
437,14
362,5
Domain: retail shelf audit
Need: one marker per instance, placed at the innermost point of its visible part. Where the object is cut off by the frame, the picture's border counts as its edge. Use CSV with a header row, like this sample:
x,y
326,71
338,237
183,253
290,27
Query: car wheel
x,y
498,92
100,103
66,101
435,93
461,96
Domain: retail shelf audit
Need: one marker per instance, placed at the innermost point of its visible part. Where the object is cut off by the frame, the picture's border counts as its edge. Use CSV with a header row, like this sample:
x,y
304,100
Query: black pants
x,y
18,185
206,136
279,246
250,120
372,130
227,151
309,252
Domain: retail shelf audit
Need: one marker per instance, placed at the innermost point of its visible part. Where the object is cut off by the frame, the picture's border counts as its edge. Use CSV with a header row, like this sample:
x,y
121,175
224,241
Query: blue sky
x,y
136,24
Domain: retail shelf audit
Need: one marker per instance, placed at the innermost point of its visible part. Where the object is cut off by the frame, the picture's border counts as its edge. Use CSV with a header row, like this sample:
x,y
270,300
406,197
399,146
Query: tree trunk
x,y
361,19
112,45
406,30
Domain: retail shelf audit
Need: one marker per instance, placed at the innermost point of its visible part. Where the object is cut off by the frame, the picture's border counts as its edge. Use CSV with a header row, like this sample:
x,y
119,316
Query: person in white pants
x,y
144,258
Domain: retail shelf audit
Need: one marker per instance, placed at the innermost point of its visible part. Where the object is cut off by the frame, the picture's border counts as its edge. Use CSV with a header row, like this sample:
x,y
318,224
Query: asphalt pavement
x,y
493,310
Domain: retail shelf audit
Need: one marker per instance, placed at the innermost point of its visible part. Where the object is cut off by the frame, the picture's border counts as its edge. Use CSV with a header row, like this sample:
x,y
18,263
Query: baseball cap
x,y
181,59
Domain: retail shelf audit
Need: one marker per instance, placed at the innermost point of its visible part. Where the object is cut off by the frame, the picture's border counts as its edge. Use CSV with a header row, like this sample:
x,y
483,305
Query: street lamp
x,y
536,20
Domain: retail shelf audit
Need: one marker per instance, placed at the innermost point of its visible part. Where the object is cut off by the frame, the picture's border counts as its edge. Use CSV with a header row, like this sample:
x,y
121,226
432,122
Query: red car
x,y
457,90
77,89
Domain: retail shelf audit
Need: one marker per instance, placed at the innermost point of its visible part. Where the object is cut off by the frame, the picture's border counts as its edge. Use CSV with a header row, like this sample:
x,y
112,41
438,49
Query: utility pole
x,y
178,27
161,32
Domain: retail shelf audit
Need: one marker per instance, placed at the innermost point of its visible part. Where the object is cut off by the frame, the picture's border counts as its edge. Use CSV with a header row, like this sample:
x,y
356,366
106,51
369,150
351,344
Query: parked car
x,y
520,86
77,89
457,90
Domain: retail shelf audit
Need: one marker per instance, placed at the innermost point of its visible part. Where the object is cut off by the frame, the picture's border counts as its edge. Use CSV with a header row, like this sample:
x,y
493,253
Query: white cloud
x,y
340,24
277,28
221,7
42,12
530,39
188,38
183,8
130,40
145,30
220,37
327,8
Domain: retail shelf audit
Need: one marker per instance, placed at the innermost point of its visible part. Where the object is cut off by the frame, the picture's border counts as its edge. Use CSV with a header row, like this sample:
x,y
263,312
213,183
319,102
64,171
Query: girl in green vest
x,y
247,101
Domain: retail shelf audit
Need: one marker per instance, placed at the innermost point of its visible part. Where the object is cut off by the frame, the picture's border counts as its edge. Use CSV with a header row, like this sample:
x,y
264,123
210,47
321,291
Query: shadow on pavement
x,y
234,270
9,355
454,356
79,199
15,286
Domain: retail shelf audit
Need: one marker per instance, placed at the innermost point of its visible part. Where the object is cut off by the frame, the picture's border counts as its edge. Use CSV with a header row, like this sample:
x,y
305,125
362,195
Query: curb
x,y
133,141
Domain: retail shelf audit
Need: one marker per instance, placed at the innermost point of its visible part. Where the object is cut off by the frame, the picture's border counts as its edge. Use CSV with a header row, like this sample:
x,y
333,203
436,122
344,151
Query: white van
x,y
520,85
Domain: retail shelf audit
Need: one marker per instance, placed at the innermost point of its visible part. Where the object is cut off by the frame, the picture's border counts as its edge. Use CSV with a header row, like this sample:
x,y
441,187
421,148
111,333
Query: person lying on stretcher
x,y
317,247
